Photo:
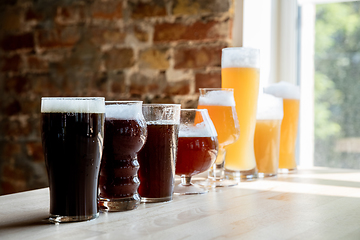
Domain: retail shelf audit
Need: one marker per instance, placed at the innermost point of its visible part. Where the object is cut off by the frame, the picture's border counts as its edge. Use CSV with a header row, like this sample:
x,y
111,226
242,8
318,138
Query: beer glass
x,y
240,71
220,104
125,135
157,157
72,138
198,146
290,94
267,134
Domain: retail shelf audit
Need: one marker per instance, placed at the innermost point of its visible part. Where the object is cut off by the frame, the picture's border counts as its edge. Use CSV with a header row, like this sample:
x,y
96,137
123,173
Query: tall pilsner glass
x,y
72,137
240,71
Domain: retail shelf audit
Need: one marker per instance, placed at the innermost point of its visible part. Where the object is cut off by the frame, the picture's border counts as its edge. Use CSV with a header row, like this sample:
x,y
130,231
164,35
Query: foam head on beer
x,y
73,105
217,98
123,111
283,90
199,130
238,57
269,107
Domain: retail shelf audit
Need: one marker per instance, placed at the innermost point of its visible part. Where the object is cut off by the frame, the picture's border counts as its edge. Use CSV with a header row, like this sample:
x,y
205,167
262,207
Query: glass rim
x,y
218,89
73,98
161,104
194,109
240,48
130,101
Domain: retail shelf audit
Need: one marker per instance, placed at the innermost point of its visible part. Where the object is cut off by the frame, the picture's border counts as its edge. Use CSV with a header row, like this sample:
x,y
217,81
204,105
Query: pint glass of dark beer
x,y
158,156
125,135
72,137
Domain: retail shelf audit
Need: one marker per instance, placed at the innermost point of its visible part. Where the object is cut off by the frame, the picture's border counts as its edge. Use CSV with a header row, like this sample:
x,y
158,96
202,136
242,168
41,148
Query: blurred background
x,y
164,50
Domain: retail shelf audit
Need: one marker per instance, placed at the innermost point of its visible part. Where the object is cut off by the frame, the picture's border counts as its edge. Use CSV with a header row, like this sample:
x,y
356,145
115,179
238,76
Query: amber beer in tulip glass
x,y
72,138
158,156
125,135
240,71
198,146
220,104
267,135
290,94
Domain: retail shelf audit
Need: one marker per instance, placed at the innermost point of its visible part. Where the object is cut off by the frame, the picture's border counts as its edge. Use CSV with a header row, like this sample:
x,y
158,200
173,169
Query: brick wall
x,y
159,51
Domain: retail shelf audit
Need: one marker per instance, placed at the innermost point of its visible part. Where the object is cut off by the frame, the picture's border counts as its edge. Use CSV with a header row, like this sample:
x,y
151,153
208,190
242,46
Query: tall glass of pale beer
x,y
240,71
72,138
220,104
267,134
290,94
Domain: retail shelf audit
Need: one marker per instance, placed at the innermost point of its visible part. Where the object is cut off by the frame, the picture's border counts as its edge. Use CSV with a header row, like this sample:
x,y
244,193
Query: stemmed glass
x,y
220,104
197,149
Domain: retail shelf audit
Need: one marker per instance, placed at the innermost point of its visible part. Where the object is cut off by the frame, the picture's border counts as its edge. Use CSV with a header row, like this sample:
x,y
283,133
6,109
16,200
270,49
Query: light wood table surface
x,y
318,203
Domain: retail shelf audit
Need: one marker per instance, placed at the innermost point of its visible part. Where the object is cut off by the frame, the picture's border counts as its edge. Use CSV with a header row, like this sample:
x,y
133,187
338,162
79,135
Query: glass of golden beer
x,y
240,71
290,94
220,104
267,134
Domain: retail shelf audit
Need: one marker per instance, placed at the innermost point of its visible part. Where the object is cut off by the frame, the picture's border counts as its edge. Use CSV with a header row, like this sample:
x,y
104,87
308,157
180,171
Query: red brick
x,y
35,151
12,108
14,129
155,58
32,15
141,84
18,42
36,64
141,35
13,179
197,57
43,85
17,84
11,64
208,80
107,35
118,83
116,59
210,30
107,10
198,7
71,14
58,37
10,20
145,10
11,149
178,88
31,106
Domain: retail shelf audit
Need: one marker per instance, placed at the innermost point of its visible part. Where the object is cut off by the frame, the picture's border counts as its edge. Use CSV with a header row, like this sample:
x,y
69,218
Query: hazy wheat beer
x,y
240,71
267,134
289,126
72,138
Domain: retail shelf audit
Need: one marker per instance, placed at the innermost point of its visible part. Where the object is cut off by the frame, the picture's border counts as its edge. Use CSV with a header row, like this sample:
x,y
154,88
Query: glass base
x,y
213,183
241,176
191,189
62,219
286,170
156,200
266,175
119,204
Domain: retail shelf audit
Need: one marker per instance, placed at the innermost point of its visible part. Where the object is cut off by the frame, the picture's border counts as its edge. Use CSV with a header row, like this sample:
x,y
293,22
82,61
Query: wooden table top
x,y
317,203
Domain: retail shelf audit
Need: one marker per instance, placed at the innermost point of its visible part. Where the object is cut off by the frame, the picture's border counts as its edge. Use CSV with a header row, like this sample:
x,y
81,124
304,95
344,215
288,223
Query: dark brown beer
x,y
195,155
119,166
157,161
73,144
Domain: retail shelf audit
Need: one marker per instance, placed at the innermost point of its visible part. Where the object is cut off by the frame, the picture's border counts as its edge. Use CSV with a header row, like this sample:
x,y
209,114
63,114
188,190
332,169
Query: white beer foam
x,y
218,98
269,107
240,57
124,112
73,105
199,130
283,90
